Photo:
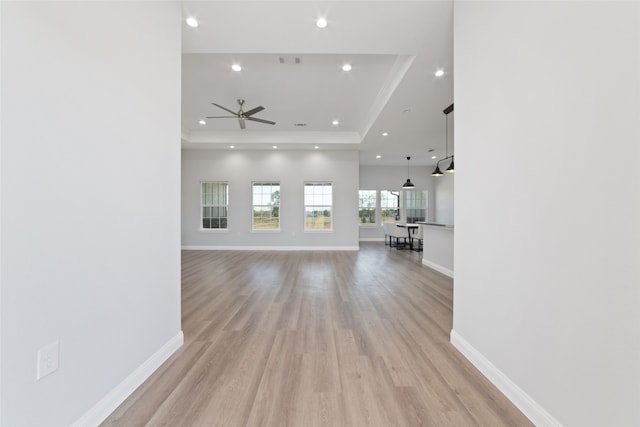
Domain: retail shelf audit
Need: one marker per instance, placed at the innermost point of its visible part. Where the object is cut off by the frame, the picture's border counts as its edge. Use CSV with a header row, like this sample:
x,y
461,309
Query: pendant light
x,y
451,168
408,184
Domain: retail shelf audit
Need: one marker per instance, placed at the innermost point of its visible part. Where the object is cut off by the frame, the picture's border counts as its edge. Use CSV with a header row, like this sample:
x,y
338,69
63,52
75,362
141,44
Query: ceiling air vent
x,y
289,60
300,124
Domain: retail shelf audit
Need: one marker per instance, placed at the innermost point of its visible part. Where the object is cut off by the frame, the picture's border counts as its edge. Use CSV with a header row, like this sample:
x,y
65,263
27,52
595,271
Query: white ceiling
x,y
394,47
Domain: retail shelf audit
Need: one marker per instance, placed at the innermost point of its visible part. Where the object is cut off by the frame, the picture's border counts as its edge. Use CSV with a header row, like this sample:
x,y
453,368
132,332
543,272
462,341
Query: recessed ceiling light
x,y
385,133
378,156
321,23
232,146
202,122
335,123
346,67
434,157
236,67
275,146
439,73
316,147
192,22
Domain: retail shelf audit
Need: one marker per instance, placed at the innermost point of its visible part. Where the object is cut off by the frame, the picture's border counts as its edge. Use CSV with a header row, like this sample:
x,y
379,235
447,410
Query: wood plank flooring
x,y
315,339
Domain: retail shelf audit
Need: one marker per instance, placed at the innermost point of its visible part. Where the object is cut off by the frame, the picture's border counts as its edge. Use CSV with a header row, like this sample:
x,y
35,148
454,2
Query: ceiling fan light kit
x,y
242,115
451,168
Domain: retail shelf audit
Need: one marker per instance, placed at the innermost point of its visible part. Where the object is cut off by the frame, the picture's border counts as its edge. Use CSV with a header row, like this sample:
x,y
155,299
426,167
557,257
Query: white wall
x,y
547,248
444,198
291,169
1,222
90,198
392,178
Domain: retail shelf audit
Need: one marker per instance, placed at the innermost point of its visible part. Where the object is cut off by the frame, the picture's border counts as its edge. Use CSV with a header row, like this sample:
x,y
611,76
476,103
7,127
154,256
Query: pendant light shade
x,y
408,184
450,169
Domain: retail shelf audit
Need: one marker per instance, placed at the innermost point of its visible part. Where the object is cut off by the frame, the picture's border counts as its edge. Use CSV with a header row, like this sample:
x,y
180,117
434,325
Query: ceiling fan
x,y
242,115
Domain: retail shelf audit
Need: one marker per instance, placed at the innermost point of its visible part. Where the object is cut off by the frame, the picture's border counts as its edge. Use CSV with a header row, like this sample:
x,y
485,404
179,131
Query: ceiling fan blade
x,y
242,125
253,119
253,111
222,117
224,108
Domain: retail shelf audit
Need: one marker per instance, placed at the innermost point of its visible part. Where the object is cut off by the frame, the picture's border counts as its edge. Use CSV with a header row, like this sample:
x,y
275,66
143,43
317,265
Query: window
x,y
390,205
266,206
318,201
416,205
215,205
367,207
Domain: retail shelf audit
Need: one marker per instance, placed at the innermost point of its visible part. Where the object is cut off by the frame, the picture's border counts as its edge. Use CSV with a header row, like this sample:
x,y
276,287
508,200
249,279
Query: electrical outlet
x,y
48,359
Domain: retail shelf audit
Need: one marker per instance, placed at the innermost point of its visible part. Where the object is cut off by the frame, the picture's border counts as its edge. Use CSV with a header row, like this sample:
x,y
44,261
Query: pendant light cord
x,y
446,133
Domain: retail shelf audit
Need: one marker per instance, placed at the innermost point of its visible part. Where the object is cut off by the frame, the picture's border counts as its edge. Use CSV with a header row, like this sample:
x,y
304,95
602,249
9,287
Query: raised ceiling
x,y
294,69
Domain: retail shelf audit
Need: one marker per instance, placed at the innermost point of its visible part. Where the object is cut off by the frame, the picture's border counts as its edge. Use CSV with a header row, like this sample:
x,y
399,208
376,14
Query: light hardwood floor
x,y
315,339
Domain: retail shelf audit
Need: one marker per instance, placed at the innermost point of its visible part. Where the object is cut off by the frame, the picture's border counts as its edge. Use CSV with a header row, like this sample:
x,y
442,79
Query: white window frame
x,y
382,208
204,205
266,230
407,206
375,209
304,195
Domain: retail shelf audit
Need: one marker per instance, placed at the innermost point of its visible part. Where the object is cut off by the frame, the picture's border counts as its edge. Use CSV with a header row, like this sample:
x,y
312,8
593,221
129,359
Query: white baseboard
x,y
271,248
438,267
101,410
529,407
372,239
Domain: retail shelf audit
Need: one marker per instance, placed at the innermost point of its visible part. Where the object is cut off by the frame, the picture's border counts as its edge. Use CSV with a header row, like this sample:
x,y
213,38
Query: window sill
x,y
213,230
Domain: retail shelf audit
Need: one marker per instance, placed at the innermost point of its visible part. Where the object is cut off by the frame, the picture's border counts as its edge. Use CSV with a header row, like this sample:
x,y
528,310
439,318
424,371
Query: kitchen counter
x,y
437,252
433,224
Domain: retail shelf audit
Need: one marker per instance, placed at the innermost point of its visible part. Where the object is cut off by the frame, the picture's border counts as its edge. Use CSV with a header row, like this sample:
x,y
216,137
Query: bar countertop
x,y
433,224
